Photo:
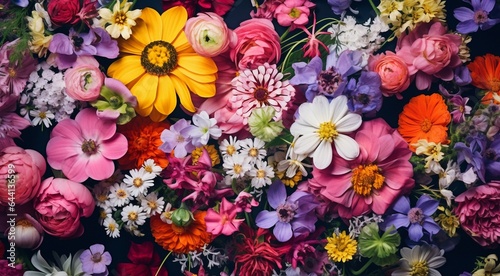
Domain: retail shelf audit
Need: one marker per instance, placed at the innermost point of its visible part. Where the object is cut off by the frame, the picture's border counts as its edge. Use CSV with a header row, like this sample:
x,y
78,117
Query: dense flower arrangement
x,y
254,137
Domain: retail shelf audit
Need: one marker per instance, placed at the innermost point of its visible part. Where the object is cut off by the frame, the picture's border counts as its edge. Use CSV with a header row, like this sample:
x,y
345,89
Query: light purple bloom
x,y
293,215
95,260
460,108
21,3
471,20
339,6
471,153
416,219
365,95
178,139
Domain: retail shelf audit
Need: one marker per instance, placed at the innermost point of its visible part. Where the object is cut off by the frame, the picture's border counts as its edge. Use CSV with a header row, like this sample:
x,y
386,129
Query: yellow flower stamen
x,y
132,216
419,269
341,247
159,58
138,182
365,178
327,131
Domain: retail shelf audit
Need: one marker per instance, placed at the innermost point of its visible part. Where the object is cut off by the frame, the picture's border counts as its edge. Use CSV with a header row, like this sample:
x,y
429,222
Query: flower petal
x,y
346,147
153,25
283,231
114,148
127,69
266,219
166,99
145,91
174,20
99,168
322,156
276,194
350,122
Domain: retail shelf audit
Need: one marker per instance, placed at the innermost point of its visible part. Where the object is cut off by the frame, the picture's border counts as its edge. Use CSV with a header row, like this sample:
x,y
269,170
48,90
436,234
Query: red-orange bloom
x,y
425,117
485,73
143,137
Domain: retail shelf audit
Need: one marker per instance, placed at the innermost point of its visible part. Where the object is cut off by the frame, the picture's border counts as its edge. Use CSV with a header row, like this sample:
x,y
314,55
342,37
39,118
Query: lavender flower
x,y
339,6
365,95
471,152
294,215
416,219
94,260
177,138
471,20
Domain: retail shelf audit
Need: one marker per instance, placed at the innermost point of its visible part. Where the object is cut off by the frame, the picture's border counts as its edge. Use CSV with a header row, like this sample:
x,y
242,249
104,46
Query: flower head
x,y
119,21
341,247
485,73
262,125
94,260
225,221
293,13
115,102
372,245
477,18
420,260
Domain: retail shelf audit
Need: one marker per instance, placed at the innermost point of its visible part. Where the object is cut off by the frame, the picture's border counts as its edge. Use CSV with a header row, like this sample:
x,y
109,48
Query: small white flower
x,y
205,127
101,195
151,167
133,215
237,165
139,181
261,174
468,177
229,147
254,149
42,117
166,216
152,204
293,164
111,227
119,195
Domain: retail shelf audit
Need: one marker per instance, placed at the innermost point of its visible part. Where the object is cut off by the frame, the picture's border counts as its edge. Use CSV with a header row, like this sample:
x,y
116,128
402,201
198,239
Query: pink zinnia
x,y
225,221
380,174
293,13
85,147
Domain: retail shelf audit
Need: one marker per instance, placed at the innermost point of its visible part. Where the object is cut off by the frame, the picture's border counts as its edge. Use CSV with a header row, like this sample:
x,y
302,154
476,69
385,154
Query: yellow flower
x,y
431,9
39,43
431,149
120,20
448,221
214,154
157,62
341,247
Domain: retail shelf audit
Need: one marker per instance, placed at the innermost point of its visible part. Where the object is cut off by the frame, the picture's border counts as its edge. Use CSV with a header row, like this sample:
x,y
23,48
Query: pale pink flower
x,y
293,13
84,82
85,147
225,221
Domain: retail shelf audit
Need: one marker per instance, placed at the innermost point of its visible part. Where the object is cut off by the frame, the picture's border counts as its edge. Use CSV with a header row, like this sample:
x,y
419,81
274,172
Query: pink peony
x,y
84,82
60,205
293,13
85,147
478,210
393,73
258,43
430,52
20,174
379,175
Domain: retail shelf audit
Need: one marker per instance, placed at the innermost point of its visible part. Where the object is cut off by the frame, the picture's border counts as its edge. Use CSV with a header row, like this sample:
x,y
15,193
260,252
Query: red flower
x,y
64,11
220,7
145,261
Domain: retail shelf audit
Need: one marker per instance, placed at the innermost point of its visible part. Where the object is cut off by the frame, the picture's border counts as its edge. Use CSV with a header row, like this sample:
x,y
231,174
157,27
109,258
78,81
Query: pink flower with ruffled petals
x,y
85,147
379,175
225,221
293,13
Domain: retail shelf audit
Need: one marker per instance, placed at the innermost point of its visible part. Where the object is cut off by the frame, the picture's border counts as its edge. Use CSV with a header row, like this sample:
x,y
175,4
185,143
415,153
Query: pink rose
x,y
20,174
60,205
209,35
258,43
430,52
393,73
84,82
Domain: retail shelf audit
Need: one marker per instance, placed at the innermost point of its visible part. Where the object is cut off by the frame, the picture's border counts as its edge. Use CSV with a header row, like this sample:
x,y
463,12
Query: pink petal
x,y
67,128
99,168
93,127
74,168
114,148
61,148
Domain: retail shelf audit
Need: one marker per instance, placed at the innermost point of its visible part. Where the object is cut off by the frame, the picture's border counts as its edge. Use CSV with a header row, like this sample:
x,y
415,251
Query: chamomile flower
x,y
254,149
230,147
139,181
111,227
152,204
119,195
261,174
133,215
237,165
120,20
42,117
151,167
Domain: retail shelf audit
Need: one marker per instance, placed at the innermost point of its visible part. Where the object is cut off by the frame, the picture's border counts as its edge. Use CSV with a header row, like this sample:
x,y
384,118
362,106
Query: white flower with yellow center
x,y
133,215
420,260
261,174
139,181
119,21
111,227
322,123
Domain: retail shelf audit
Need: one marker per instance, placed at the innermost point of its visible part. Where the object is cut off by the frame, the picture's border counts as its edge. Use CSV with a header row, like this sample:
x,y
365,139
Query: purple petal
x,y
398,220
61,44
415,232
430,226
402,205
276,194
467,27
463,14
427,204
283,231
266,219
487,5
97,248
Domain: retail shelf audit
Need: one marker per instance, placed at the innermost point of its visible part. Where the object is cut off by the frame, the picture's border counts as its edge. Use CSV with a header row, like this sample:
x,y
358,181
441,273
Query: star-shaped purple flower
x,y
472,20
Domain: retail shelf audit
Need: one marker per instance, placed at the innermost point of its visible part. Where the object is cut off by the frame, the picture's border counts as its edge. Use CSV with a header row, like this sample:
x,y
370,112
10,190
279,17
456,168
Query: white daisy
x,y
133,215
420,260
322,123
152,204
151,167
261,174
42,117
237,165
254,149
119,195
101,195
229,147
138,181
112,228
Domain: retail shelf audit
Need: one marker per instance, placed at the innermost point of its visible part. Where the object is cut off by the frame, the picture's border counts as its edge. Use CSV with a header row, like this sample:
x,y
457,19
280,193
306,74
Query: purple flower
x,y
94,260
416,219
471,20
178,138
339,6
460,108
294,215
365,95
492,159
471,152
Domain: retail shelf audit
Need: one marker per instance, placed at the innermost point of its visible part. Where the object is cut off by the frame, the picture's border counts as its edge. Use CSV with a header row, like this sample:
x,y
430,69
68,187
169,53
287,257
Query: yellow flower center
x,y
12,72
24,223
121,193
294,13
111,227
120,18
159,58
89,147
261,173
230,149
137,182
103,214
365,178
426,125
149,169
237,168
132,216
253,152
152,205
42,115
327,131
419,269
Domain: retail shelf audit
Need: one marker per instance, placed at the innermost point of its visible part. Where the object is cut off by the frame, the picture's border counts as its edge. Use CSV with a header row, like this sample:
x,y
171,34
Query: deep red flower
x,y
145,261
220,7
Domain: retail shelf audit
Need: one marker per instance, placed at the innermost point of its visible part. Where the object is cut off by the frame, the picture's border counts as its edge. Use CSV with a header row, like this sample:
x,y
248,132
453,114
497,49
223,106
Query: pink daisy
x,y
260,87
379,175
85,147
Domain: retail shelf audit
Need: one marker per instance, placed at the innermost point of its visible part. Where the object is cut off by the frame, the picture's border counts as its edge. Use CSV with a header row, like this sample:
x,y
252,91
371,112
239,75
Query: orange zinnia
x,y
143,136
425,117
180,239
485,73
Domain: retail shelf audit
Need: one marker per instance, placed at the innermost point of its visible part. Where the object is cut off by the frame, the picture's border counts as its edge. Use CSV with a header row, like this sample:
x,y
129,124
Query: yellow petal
x,y
166,99
156,116
174,20
139,39
126,69
154,23
196,63
183,93
203,90
145,90
181,44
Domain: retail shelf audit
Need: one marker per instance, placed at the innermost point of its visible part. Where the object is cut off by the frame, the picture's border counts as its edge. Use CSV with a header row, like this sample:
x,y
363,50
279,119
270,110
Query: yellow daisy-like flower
x,y
341,247
120,20
157,63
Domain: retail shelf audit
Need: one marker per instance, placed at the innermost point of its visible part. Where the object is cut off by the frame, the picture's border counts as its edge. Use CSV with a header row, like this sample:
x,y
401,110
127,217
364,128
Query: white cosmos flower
x,y
320,124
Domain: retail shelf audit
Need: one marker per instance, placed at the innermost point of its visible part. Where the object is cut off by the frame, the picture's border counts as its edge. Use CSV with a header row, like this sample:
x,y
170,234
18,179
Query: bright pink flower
x,y
60,205
430,52
220,7
258,43
85,147
293,13
20,171
393,72
380,174
244,202
311,48
478,210
225,221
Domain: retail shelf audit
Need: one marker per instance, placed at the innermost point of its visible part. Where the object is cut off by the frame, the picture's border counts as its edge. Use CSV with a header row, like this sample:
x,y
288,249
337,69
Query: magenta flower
x,y
85,147
460,108
13,75
225,221
293,13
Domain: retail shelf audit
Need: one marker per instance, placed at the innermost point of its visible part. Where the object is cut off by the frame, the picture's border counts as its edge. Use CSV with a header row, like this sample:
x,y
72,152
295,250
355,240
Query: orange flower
x,y
143,137
425,117
181,239
485,73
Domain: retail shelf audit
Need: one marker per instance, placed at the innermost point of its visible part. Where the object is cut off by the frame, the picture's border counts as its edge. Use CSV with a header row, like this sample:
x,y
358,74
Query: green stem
x,y
282,37
162,263
374,7
362,269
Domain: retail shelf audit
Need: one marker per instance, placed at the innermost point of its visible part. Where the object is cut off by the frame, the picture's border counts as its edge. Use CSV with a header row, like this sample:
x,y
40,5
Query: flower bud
x,y
182,217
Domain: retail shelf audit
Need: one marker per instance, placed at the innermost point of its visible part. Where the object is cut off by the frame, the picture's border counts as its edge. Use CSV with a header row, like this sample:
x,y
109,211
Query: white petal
x,y
321,108
338,107
347,147
322,156
306,144
349,123
298,129
307,115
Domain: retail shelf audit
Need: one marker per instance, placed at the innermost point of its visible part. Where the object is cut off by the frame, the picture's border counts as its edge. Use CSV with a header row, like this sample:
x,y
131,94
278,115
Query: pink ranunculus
x,y
478,210
293,12
60,205
85,147
209,34
379,175
20,174
84,82
258,43
393,72
430,52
